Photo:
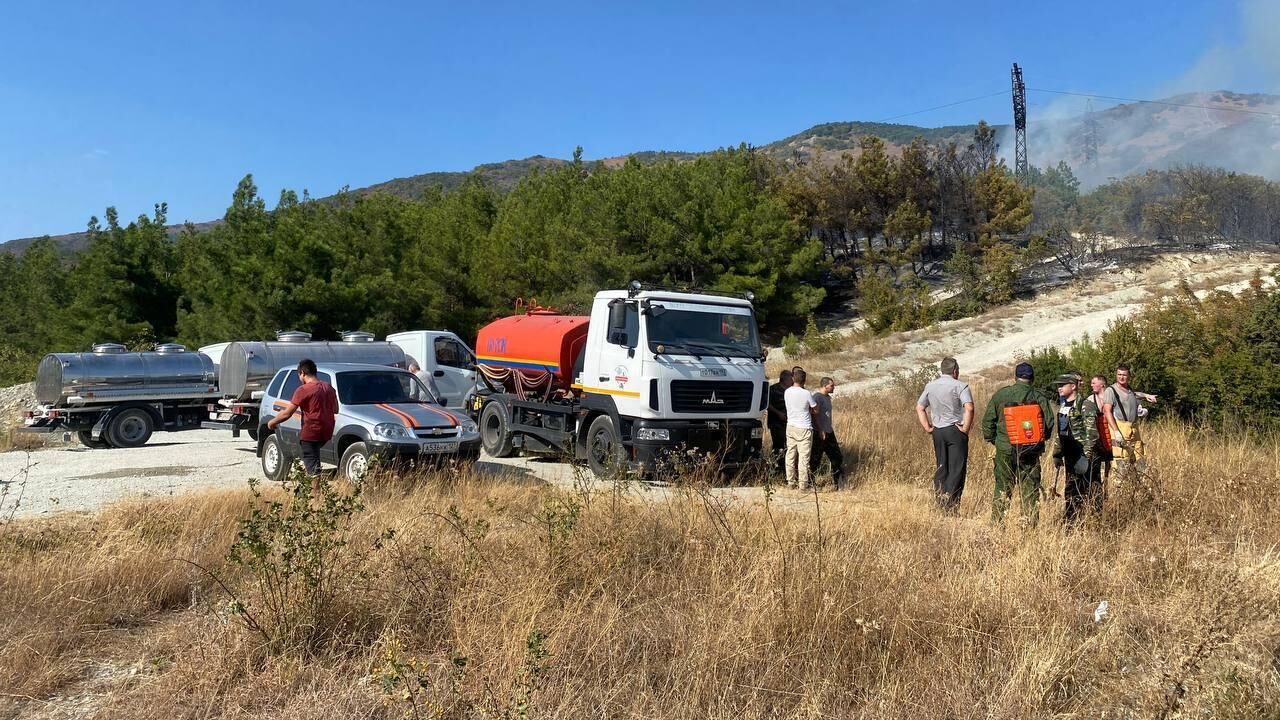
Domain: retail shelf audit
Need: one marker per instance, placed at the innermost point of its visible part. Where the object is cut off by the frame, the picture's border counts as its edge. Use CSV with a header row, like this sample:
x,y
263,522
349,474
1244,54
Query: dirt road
x,y
1054,317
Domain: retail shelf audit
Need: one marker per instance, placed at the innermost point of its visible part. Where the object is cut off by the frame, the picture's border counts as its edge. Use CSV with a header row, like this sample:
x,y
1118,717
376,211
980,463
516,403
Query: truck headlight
x,y
661,434
757,433
391,431
468,426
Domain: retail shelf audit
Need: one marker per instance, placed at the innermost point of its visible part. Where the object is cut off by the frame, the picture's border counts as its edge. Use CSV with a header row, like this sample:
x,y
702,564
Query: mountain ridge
x,y
1237,131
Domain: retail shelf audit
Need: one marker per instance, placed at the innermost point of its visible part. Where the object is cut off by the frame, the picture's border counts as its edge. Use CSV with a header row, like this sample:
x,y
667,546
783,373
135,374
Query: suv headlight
x,y
662,434
757,433
468,426
391,431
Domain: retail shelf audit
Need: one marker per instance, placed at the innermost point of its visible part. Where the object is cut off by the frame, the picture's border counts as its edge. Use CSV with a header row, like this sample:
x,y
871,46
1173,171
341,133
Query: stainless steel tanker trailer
x,y
245,369
113,398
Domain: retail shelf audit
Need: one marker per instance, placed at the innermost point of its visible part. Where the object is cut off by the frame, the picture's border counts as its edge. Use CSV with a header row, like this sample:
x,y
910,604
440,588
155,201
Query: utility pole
x,y
1019,125
1090,136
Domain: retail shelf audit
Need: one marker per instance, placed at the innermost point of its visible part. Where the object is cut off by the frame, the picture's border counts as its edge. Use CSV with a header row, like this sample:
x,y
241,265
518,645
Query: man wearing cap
x,y
1018,465
1075,448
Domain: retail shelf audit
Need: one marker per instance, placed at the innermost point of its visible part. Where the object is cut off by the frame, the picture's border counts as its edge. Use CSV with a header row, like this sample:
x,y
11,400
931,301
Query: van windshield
x,y
686,329
372,387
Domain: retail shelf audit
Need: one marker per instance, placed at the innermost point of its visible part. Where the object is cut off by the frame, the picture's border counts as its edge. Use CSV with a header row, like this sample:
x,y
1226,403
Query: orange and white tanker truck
x,y
650,376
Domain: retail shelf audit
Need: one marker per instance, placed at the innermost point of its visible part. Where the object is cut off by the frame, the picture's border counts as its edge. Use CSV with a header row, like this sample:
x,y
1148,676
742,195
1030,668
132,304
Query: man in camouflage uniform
x,y
1021,465
1075,448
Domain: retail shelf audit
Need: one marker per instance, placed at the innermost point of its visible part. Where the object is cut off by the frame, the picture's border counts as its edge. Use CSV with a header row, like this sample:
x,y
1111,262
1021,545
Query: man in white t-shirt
x,y
800,411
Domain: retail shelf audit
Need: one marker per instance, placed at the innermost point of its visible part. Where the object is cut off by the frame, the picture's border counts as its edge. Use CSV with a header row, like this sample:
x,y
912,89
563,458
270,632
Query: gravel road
x,y
74,478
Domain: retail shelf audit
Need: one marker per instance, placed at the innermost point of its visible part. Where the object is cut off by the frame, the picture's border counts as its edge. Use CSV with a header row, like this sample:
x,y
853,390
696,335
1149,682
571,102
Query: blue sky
x,y
128,104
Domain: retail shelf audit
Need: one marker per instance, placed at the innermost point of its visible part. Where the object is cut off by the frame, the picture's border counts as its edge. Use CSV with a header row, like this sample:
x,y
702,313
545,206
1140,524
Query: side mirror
x,y
617,316
444,401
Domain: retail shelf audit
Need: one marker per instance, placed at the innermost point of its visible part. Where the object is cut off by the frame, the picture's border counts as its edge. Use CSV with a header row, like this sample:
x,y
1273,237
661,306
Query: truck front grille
x,y
711,396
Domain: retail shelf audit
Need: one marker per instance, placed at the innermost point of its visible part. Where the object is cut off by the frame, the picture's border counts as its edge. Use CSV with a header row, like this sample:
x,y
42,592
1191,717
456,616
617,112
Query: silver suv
x,y
383,413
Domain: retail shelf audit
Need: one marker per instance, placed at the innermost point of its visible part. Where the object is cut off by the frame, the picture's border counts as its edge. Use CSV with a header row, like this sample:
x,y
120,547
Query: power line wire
x,y
1158,102
941,107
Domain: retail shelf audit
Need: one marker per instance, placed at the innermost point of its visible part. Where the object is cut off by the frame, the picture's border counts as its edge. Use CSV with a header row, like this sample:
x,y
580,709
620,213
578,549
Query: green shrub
x,y
1215,360
791,346
911,384
887,308
293,552
818,342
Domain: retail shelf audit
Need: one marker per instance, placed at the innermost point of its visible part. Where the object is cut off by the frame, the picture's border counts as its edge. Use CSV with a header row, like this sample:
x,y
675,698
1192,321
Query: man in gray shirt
x,y
824,442
950,404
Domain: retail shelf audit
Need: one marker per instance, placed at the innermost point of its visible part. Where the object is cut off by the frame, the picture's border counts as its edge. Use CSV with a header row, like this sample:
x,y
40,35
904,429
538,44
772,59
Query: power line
x,y
942,107
1157,102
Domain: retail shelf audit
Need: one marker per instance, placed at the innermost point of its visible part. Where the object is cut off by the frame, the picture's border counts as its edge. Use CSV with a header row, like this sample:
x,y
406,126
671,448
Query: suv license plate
x,y
439,447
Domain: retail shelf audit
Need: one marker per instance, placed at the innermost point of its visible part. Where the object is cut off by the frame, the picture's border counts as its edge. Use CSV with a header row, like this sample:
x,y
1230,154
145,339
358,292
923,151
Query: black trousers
x,y
1081,493
830,448
311,457
778,453
951,451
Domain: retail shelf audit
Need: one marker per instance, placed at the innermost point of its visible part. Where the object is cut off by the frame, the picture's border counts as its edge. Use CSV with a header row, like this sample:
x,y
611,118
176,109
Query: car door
x,y
328,453
454,374
289,432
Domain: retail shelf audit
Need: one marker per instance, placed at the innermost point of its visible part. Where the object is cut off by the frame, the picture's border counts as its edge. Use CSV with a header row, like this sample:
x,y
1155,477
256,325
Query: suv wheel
x,y
355,462
276,463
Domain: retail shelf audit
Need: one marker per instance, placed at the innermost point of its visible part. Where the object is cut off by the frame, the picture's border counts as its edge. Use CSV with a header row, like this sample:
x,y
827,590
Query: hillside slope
x,y
1243,135
1053,318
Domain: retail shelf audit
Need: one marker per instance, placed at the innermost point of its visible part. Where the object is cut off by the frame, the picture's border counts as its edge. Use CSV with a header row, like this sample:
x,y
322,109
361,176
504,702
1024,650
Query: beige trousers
x,y
799,448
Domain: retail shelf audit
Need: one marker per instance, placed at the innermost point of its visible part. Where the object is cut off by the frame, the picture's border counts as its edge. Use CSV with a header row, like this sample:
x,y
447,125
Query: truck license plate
x,y
439,447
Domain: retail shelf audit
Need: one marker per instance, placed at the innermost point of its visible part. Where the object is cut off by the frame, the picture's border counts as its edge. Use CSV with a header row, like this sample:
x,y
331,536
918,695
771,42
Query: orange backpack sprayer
x,y
1024,424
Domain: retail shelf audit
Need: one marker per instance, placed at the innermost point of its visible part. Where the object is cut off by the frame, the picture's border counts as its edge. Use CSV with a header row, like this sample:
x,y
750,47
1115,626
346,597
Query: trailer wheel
x,y
275,462
495,431
604,447
130,429
86,439
355,461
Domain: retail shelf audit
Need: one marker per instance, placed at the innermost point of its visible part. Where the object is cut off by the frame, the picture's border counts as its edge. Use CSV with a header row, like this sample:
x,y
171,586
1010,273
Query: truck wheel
x,y
495,431
355,462
130,429
604,447
275,462
86,439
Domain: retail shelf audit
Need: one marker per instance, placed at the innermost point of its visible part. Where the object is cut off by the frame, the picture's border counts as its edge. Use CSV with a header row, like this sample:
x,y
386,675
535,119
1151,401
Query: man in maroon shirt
x,y
319,404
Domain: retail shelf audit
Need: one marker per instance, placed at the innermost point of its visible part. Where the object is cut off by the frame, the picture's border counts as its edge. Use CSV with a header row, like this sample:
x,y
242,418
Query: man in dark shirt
x,y
777,419
319,404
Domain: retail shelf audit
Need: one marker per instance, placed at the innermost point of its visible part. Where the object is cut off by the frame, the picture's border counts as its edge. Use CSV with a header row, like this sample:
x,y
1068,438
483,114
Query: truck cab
x,y
383,413
445,359
678,369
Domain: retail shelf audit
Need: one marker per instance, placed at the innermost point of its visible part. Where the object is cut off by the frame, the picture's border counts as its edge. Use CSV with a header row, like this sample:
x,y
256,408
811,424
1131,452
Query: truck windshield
x,y
703,330
372,387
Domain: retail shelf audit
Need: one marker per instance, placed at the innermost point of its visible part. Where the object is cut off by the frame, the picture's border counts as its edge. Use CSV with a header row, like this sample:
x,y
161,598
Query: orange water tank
x,y
536,341
1024,424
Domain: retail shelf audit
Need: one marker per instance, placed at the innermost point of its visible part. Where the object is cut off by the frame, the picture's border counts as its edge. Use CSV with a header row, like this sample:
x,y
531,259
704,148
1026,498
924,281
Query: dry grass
x,y
688,603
